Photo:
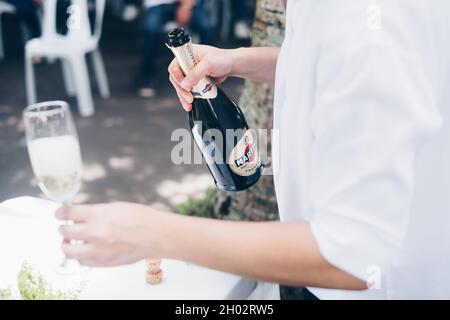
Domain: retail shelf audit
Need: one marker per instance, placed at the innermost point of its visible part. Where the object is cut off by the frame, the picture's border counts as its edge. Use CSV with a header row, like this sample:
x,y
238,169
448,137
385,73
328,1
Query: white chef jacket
x,y
362,111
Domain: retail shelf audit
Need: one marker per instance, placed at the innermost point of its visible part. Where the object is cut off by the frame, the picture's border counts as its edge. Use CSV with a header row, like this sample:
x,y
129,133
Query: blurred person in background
x,y
156,14
242,17
28,12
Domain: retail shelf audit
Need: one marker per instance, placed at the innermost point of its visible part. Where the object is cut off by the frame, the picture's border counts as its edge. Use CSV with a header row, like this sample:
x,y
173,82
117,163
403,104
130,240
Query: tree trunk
x,y
259,202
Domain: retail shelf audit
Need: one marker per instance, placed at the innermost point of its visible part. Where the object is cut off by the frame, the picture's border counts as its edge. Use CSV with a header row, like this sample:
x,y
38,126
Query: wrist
x,y
235,57
162,241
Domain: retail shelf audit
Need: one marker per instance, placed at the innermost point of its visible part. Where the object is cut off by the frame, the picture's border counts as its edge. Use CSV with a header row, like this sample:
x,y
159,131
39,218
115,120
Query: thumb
x,y
72,213
201,70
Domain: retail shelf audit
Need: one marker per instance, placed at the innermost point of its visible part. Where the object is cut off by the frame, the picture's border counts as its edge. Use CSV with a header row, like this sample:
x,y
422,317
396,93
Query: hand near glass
x,y
55,157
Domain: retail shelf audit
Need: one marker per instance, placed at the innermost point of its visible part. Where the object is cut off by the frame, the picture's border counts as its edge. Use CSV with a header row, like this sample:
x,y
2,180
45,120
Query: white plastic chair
x,y
4,8
71,49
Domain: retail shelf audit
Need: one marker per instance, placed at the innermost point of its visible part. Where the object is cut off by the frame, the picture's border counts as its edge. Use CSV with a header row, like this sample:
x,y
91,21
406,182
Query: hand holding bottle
x,y
217,123
213,62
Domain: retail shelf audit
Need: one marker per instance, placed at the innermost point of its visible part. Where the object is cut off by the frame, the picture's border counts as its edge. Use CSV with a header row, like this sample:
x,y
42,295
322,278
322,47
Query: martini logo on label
x,y
205,89
208,87
249,155
244,158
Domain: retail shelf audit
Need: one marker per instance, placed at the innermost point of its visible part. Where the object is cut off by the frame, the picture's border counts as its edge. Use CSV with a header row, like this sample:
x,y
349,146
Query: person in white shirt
x,y
156,14
362,94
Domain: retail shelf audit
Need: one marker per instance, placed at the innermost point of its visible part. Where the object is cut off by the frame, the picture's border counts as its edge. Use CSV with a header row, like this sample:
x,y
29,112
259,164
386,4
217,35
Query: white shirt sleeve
x,y
374,109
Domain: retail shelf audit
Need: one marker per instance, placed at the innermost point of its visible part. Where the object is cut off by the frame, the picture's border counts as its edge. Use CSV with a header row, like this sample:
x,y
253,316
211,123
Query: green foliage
x,y
199,207
33,286
6,294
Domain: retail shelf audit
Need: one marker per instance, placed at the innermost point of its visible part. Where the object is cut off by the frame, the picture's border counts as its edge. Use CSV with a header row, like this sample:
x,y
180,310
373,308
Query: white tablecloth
x,y
28,232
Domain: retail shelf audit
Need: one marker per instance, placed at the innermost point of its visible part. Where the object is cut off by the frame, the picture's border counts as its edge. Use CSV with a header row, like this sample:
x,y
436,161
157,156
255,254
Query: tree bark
x,y
259,202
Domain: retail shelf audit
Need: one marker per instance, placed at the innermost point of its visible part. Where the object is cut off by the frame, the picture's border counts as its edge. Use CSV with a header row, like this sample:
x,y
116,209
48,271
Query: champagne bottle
x,y
218,126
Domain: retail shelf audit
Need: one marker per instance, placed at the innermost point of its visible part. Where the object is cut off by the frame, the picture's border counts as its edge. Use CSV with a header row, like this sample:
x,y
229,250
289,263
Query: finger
x,y
175,70
93,261
219,80
72,213
183,100
177,75
197,73
77,251
89,262
186,105
77,231
185,94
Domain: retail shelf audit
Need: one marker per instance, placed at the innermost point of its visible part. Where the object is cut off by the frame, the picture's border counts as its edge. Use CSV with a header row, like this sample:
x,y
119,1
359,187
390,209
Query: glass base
x,y
69,267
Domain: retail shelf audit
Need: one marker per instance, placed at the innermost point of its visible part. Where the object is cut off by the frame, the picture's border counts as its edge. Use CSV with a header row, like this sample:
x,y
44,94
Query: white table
x,y
28,232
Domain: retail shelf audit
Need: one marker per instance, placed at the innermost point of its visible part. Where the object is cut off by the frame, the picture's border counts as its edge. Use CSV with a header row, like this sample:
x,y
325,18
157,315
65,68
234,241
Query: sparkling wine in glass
x,y
55,157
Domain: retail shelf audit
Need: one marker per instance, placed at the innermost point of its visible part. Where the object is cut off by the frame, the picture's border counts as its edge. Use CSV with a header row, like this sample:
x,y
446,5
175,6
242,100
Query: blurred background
x,y
126,143
107,58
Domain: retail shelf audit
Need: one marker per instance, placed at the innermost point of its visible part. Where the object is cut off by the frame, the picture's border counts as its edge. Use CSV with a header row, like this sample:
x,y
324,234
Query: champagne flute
x,y
55,157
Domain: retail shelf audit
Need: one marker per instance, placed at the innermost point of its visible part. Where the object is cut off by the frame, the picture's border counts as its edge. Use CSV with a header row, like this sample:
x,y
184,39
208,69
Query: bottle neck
x,y
185,56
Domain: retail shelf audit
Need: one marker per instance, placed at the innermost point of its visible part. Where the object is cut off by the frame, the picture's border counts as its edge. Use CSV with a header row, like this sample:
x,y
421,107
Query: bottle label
x,y
205,89
244,158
